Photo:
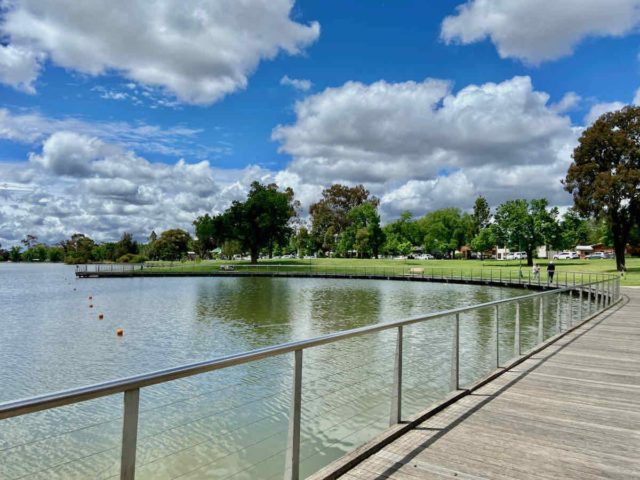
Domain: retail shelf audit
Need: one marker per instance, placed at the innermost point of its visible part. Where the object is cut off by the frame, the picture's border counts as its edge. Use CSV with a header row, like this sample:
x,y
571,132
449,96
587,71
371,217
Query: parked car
x,y
425,256
520,256
566,256
597,255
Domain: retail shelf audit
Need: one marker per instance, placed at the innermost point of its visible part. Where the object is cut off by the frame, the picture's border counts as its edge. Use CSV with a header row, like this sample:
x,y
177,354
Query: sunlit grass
x,y
438,267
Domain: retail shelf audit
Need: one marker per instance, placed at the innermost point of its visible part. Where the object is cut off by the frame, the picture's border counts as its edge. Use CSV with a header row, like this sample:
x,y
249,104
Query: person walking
x,y
551,269
536,271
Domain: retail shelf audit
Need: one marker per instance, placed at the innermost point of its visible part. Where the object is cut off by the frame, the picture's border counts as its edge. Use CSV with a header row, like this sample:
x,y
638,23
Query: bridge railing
x,y
575,303
503,275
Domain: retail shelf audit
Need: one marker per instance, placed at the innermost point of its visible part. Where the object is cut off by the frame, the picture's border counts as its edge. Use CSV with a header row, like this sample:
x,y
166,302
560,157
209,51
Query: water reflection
x,y
232,422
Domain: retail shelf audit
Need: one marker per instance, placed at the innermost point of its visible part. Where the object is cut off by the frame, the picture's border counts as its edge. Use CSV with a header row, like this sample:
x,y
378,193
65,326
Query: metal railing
x,y
600,295
502,275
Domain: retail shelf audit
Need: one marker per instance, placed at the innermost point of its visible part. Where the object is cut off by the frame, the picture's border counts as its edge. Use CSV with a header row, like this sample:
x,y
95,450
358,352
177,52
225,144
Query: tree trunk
x,y
254,255
529,258
619,247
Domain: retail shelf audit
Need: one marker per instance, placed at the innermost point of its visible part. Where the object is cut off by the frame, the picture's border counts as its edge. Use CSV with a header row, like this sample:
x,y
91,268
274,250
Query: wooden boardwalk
x,y
570,411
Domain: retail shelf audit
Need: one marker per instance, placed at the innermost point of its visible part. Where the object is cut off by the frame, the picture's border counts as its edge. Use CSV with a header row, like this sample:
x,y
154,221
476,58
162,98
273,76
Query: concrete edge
x,y
342,465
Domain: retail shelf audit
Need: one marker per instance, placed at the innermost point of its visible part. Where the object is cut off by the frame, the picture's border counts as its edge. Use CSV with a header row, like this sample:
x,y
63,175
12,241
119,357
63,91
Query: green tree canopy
x,y
521,225
171,245
261,221
446,230
604,177
333,208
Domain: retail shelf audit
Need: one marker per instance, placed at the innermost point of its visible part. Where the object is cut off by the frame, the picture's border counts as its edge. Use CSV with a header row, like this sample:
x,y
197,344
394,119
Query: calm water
x,y
231,423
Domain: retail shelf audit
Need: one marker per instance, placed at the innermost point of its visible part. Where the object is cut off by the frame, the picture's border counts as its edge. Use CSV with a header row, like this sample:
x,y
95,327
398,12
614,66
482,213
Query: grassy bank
x,y
436,267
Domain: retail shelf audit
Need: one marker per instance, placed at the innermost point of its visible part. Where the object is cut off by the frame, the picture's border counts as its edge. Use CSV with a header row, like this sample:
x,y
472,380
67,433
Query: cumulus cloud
x,y
419,146
79,183
298,84
538,30
601,108
196,50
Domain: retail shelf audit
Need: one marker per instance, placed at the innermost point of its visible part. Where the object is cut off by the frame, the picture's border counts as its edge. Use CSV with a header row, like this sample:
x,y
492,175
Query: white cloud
x,y
79,183
384,131
539,30
636,98
197,50
298,84
33,128
568,102
601,108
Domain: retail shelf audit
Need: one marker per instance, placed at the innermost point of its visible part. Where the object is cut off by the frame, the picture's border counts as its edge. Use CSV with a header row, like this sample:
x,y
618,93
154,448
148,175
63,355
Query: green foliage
x,y
523,226
210,232
481,214
604,177
446,230
329,240
125,246
574,231
171,245
78,249
333,210
262,221
55,254
484,241
231,248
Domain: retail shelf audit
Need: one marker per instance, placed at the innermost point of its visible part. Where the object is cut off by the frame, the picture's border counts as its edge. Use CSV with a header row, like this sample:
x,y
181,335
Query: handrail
x,y
605,294
20,407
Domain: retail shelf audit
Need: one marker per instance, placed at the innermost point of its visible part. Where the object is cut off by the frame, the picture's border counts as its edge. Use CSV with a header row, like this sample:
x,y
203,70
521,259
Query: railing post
x,y
454,382
541,321
558,313
570,313
497,345
292,455
516,337
580,306
396,394
129,434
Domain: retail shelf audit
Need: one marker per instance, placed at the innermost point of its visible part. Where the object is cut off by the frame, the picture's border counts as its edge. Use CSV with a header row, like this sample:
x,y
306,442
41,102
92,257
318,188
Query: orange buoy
x,y
90,298
91,305
100,316
119,332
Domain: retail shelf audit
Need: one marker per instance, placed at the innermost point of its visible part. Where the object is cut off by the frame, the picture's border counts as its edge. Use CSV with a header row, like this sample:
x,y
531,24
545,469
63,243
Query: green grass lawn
x,y
437,267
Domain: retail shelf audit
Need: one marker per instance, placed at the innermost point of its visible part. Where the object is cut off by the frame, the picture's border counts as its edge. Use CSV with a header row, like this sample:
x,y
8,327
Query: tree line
x,y
604,180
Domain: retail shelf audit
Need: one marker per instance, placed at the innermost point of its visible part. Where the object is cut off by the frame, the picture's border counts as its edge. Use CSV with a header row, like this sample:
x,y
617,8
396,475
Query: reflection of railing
x,y
503,275
599,295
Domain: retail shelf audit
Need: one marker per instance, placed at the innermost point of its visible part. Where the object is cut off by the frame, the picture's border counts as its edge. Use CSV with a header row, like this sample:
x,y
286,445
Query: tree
x,y
329,240
604,177
29,241
261,221
78,249
55,254
481,214
210,232
485,240
574,230
446,230
361,244
366,216
172,244
14,253
302,241
125,245
523,226
332,210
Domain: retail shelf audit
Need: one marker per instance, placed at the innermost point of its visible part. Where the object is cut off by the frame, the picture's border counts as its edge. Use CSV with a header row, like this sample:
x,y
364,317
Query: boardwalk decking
x,y
570,411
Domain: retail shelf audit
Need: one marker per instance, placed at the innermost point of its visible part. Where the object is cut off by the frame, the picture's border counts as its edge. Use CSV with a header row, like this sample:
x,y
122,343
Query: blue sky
x,y
109,125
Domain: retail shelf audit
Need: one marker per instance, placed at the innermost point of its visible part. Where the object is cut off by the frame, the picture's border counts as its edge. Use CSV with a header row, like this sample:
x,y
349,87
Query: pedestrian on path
x,y
551,269
536,271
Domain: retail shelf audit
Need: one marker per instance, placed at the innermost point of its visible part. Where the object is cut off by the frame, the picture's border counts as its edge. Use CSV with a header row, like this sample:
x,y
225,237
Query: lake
x,y
230,423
